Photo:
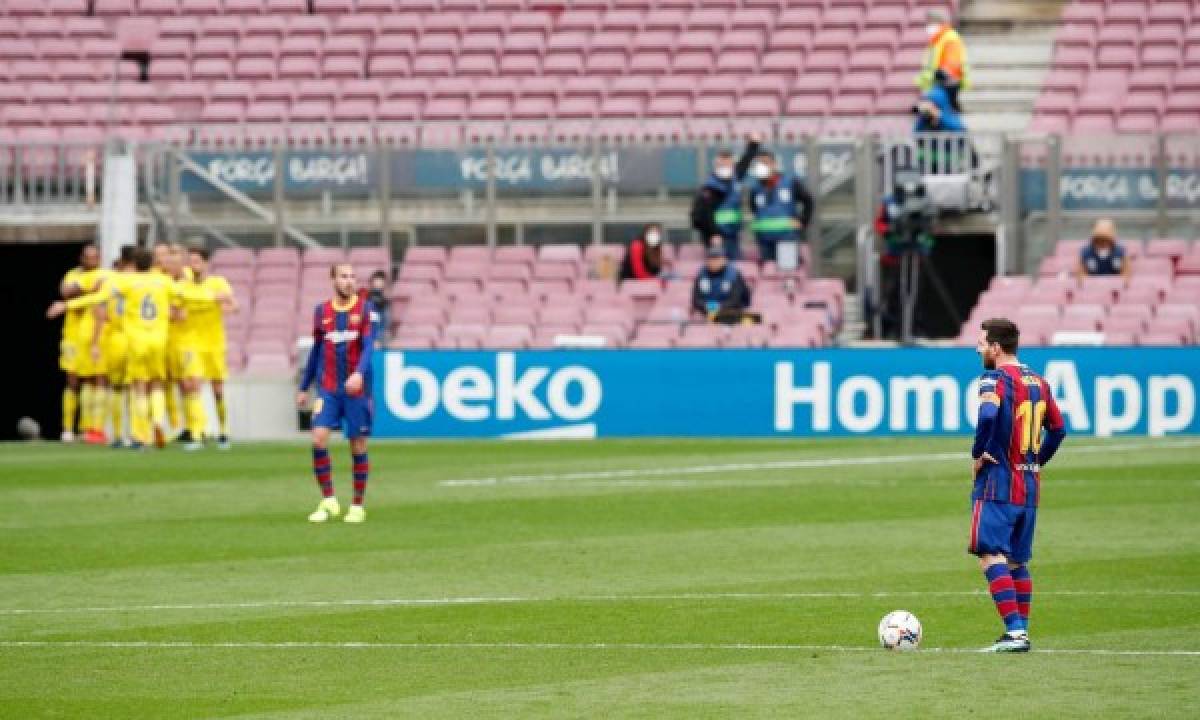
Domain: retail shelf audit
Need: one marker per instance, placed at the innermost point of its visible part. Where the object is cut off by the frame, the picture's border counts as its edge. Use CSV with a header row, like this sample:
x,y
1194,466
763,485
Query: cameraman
x,y
905,222
378,295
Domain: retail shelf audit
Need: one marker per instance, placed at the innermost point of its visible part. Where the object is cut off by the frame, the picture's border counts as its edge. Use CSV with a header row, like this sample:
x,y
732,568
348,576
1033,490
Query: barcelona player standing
x,y
344,330
1010,449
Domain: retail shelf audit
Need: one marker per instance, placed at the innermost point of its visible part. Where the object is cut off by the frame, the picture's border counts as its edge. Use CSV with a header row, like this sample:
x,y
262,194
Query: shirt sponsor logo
x,y
337,337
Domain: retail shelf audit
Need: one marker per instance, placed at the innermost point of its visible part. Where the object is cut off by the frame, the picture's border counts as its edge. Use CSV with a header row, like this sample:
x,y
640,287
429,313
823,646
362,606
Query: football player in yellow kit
x,y
115,345
79,350
169,262
201,338
149,299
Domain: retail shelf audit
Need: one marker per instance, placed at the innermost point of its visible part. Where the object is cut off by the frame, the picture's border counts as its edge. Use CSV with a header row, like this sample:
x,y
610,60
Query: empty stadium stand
x,y
1128,66
514,297
351,67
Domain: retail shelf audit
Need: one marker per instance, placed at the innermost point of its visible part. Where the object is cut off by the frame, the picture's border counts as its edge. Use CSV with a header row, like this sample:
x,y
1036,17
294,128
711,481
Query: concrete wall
x,y
260,408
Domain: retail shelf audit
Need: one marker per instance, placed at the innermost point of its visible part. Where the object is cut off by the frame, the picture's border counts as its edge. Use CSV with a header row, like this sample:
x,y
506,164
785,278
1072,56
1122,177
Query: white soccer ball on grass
x,y
900,630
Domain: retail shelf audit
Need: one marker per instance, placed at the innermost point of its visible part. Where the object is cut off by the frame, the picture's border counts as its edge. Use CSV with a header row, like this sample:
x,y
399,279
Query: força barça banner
x,y
765,393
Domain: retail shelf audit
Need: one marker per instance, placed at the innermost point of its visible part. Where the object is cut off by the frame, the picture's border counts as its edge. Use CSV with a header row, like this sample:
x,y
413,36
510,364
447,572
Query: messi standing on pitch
x,y
344,330
1015,404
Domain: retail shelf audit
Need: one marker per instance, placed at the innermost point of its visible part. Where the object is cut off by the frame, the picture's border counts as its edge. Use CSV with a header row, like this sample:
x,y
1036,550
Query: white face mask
x,y
760,170
1103,252
653,239
723,171
931,29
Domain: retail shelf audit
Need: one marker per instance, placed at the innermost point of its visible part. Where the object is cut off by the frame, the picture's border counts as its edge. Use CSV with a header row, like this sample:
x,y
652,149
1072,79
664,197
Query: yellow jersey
x,y
147,305
118,287
204,324
71,318
91,282
79,320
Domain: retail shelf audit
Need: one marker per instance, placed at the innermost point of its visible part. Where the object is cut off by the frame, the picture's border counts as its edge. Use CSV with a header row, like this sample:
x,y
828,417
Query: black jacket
x,y
704,206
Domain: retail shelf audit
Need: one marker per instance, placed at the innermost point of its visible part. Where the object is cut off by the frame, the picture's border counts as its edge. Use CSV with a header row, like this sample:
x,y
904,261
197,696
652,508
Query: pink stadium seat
x,y
1172,248
508,336
560,254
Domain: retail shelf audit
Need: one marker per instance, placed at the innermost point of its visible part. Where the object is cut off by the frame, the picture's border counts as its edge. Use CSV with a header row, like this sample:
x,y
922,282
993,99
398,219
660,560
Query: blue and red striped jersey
x,y
343,338
1015,406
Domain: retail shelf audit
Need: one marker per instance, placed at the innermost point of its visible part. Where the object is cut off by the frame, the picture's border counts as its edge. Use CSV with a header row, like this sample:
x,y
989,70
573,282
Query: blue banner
x,y
837,159
545,170
764,393
1099,188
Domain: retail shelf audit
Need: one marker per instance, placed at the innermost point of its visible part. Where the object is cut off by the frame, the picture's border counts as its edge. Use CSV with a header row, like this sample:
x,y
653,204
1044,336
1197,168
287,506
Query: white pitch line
x,y
599,475
317,645
529,599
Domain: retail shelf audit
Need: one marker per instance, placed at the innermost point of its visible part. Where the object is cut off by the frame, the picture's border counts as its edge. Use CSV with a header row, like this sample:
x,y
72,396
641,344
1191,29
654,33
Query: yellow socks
x,y
99,407
172,407
222,415
85,407
116,412
139,418
158,407
70,405
193,407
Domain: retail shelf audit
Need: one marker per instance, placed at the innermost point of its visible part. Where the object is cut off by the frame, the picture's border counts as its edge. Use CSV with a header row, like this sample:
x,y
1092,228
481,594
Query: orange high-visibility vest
x,y
946,52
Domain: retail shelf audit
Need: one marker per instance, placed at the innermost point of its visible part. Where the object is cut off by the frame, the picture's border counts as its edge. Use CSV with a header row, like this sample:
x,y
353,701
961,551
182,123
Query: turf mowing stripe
x,y
307,645
498,600
602,475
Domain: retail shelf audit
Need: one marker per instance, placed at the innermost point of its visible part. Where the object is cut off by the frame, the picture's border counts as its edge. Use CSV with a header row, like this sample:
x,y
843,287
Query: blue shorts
x,y
1002,529
352,414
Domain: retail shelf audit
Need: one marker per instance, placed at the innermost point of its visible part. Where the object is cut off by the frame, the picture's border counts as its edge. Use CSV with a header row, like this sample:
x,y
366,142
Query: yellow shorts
x,y
116,358
147,359
174,354
215,367
68,355
190,362
87,365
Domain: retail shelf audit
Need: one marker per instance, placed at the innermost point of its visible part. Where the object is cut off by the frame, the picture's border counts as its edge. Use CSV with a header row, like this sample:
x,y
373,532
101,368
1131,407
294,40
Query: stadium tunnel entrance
x,y
29,277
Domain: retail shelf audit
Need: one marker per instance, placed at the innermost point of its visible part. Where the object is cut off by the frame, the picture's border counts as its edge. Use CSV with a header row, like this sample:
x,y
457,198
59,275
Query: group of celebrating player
x,y
136,335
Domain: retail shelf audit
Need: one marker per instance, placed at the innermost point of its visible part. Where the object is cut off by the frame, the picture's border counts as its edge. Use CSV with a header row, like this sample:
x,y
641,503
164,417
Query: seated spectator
x,y
643,258
1103,255
720,292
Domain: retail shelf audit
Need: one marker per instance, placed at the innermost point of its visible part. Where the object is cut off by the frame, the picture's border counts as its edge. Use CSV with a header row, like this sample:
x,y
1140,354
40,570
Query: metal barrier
x,y
39,174
505,183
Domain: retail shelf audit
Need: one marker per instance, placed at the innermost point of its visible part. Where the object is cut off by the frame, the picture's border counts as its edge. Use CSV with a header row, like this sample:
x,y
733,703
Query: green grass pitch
x,y
651,579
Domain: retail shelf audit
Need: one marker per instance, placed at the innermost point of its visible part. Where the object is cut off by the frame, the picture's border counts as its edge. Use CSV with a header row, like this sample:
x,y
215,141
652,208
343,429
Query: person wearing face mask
x,y
1103,255
945,59
717,209
781,204
643,257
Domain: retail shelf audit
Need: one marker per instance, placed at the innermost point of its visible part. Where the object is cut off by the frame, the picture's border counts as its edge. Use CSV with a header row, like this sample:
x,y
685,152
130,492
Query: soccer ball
x,y
900,630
